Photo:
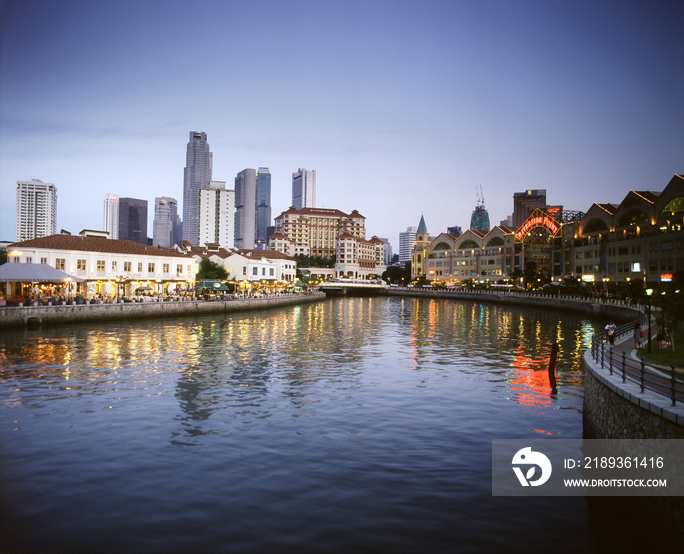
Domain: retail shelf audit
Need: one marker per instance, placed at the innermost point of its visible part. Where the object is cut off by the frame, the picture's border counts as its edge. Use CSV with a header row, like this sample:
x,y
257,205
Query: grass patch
x,y
662,357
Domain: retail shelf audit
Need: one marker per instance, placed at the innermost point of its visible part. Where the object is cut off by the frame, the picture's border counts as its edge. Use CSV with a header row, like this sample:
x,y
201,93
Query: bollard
x,y
552,367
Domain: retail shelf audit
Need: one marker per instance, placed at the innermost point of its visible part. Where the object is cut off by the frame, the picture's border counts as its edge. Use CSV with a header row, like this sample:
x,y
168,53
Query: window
x,y
165,268
59,263
150,267
127,266
80,265
255,271
43,261
244,270
271,272
140,265
179,269
100,265
114,266
29,260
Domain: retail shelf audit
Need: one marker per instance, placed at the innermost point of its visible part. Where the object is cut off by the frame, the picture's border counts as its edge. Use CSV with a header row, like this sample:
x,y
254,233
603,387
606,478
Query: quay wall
x,y
617,410
60,315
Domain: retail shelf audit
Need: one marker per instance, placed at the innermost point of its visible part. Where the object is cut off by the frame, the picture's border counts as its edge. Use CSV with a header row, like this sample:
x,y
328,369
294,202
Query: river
x,y
352,424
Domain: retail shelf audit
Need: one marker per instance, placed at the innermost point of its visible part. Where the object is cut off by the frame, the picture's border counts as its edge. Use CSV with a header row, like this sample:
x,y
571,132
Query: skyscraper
x,y
165,216
110,219
217,215
198,169
36,210
304,189
245,209
263,207
406,241
524,203
133,220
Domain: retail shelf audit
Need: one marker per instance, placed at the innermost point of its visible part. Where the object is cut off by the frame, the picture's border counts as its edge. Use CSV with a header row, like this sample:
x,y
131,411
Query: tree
x,y
397,274
211,270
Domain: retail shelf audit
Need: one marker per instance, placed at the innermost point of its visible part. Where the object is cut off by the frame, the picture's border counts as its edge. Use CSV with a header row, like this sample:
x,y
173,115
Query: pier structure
x,y
354,287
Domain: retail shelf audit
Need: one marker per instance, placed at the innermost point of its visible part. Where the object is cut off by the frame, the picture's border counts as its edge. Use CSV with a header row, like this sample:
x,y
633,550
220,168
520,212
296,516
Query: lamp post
x,y
649,292
68,280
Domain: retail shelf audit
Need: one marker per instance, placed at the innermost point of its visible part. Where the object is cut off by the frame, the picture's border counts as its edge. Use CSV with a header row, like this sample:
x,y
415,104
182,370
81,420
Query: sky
x,y
403,108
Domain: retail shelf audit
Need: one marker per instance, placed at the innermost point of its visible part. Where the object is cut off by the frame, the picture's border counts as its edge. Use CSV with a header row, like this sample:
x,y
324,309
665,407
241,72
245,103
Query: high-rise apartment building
x,y
524,203
133,220
110,220
198,171
245,209
304,189
165,217
406,240
263,208
36,210
217,215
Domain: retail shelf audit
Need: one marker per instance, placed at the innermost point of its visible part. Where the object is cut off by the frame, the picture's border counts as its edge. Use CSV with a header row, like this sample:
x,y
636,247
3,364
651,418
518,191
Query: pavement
x,y
627,344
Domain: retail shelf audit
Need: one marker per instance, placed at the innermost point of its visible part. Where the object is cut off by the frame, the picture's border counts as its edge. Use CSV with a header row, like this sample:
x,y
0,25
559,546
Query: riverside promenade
x,y
76,313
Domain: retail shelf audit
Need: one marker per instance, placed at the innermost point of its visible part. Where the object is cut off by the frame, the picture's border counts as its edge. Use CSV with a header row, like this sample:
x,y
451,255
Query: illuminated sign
x,y
666,276
538,219
588,278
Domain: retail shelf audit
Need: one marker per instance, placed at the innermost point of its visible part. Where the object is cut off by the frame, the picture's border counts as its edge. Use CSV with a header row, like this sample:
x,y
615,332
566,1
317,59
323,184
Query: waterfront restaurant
x,y
252,269
108,267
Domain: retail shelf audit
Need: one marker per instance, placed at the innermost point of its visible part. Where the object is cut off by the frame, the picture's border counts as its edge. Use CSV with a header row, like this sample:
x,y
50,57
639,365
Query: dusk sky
x,y
402,108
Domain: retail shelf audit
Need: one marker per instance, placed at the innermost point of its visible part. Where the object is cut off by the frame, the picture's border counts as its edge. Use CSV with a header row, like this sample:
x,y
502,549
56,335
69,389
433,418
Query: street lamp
x,y
649,292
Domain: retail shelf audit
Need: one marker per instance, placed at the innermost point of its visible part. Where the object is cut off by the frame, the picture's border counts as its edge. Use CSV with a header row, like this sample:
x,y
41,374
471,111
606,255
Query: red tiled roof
x,y
79,243
270,254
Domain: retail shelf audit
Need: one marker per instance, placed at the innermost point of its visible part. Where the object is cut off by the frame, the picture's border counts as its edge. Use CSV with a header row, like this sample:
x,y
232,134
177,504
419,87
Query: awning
x,y
212,284
34,273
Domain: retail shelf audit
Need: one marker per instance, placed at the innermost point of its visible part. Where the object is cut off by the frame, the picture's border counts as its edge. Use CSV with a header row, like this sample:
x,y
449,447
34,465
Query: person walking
x,y
638,336
610,331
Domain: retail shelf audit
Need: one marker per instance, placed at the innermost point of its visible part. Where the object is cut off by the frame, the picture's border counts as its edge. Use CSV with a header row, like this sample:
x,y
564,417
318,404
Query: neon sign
x,y
537,221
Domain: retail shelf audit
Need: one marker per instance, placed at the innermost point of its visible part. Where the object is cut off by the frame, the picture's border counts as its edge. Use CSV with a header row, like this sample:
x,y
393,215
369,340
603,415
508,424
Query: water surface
x,y
355,424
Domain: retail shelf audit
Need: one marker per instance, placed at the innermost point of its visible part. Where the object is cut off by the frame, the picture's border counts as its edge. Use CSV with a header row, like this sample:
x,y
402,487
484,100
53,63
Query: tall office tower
x,y
263,208
133,220
388,251
479,220
304,189
198,167
217,215
36,210
406,241
164,226
110,221
245,209
524,203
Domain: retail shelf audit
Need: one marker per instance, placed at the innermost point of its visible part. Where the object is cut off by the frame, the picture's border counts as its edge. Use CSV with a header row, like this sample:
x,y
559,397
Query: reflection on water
x,y
368,414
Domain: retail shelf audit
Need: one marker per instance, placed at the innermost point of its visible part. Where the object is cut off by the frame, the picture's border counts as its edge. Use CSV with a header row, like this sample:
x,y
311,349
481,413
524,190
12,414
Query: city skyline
x,y
408,105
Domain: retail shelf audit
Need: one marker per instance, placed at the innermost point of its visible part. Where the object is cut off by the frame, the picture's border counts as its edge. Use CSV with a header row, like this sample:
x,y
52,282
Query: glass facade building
x,y
197,175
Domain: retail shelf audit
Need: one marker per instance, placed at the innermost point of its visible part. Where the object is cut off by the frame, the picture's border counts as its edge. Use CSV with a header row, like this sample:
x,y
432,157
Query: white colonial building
x,y
108,267
263,266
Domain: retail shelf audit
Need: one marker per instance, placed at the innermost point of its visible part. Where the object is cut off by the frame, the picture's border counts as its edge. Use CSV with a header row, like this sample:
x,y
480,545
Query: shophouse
x,y
108,267
250,267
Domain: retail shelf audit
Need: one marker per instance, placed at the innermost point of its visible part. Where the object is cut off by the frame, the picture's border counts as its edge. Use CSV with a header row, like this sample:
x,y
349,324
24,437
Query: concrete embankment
x,y
60,315
616,310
